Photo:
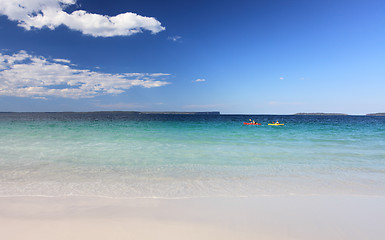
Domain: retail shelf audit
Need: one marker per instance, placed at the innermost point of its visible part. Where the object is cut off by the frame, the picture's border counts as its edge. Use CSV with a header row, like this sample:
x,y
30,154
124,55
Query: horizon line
x,y
207,113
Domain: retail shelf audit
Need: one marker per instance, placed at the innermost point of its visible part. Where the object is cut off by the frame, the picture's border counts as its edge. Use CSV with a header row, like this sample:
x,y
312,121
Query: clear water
x,y
176,156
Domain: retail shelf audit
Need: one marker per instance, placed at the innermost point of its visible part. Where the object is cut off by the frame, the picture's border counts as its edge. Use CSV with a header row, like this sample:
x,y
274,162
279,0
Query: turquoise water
x,y
176,156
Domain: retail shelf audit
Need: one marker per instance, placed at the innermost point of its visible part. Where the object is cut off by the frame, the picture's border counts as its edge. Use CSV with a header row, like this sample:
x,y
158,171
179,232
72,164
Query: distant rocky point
x,y
375,114
186,113
322,114
137,112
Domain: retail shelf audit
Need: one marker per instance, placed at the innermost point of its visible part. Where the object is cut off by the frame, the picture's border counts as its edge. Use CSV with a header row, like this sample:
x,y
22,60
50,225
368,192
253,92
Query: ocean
x,y
122,155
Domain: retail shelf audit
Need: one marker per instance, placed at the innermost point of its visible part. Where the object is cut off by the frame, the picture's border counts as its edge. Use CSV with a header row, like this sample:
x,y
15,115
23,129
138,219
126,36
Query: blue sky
x,y
258,57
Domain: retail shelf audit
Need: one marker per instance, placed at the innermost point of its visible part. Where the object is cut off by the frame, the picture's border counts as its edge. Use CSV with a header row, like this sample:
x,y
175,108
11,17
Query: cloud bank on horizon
x,y
50,13
25,75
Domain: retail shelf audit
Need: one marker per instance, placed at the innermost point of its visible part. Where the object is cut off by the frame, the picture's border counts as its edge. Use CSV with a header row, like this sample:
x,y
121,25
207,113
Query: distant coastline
x,y
375,114
186,113
213,113
322,114
336,114
176,113
128,112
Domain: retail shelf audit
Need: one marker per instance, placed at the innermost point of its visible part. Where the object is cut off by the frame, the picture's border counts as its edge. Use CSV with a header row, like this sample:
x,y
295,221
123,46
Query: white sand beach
x,y
265,217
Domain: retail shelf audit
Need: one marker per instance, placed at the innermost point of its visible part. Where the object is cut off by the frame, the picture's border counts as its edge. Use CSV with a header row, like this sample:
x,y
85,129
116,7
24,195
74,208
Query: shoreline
x,y
262,217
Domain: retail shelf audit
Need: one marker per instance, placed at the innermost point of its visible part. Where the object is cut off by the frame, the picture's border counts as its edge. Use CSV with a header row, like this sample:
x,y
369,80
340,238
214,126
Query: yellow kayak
x,y
276,124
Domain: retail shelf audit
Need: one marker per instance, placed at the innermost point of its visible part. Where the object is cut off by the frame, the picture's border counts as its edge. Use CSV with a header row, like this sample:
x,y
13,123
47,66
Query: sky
x,y
236,57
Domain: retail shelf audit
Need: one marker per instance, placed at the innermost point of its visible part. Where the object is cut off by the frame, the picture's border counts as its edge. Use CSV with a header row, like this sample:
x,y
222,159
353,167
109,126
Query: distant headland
x,y
186,113
375,114
322,114
336,114
211,113
138,112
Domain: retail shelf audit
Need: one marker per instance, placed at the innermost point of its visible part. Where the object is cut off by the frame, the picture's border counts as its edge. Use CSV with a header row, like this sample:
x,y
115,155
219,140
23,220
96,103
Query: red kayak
x,y
249,123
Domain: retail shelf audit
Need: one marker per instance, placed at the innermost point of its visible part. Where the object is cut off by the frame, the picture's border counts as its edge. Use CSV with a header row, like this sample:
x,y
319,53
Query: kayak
x,y
276,124
246,123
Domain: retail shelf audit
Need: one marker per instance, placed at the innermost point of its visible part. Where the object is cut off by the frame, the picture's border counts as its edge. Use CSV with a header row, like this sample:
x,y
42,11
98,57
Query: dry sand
x,y
273,217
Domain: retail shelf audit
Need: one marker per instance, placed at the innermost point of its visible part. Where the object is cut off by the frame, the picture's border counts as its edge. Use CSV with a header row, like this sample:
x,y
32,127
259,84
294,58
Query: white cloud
x,y
24,75
62,60
50,13
200,80
41,98
174,38
281,78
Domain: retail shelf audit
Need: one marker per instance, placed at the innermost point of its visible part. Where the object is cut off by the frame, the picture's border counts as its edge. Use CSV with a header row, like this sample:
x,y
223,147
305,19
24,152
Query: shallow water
x,y
177,156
